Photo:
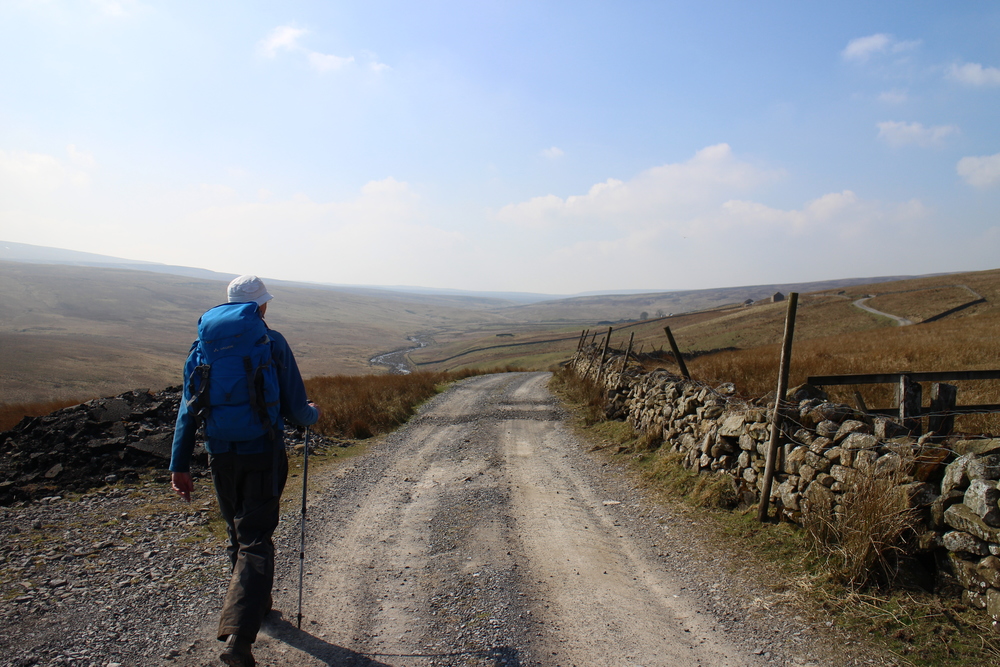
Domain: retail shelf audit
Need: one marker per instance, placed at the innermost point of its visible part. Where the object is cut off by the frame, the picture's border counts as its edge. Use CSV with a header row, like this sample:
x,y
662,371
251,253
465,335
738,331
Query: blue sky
x,y
553,147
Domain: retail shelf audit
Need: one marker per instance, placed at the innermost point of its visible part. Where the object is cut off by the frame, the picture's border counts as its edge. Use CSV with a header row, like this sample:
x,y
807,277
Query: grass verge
x,y
900,624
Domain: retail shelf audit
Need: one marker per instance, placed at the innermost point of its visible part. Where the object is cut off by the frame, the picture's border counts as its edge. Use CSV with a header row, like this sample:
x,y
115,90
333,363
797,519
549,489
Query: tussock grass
x,y
860,544
585,394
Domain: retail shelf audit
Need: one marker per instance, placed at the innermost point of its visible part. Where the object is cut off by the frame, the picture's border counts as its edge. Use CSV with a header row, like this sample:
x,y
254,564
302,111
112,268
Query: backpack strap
x,y
198,390
255,387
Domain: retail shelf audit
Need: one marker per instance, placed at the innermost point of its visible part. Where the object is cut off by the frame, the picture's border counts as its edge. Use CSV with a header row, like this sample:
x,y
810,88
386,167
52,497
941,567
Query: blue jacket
x,y
294,407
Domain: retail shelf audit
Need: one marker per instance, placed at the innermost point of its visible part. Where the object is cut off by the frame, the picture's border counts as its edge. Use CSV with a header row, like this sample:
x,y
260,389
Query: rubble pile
x,y
101,441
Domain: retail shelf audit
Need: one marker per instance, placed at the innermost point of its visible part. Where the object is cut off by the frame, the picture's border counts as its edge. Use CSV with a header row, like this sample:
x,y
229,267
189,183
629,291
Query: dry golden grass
x,y
920,304
11,414
361,406
967,343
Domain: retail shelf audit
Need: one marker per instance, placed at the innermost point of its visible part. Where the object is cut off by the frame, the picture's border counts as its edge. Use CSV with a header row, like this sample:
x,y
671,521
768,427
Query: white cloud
x,y
982,172
974,74
286,38
659,193
281,38
79,158
897,133
323,62
553,153
863,48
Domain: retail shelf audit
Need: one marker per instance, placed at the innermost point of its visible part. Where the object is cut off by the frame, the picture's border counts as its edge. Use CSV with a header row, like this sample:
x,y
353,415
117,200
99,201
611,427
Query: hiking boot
x,y
237,652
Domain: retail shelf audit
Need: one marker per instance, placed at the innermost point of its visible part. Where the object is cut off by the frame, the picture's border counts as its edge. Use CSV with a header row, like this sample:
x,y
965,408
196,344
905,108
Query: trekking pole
x,y
302,544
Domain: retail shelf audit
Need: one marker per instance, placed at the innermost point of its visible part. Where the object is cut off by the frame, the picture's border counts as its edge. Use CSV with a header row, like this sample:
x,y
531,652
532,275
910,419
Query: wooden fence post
x,y
628,352
776,416
604,355
583,337
908,397
677,353
943,399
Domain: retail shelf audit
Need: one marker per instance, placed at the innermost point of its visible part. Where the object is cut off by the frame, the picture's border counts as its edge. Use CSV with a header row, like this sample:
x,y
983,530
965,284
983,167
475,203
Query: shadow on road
x,y
282,630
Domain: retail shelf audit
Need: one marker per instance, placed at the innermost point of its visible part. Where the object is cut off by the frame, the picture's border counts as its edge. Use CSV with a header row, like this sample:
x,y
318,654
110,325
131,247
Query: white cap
x,y
248,288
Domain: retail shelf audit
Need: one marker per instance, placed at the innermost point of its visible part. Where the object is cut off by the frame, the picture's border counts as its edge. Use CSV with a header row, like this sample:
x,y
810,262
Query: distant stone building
x,y
776,297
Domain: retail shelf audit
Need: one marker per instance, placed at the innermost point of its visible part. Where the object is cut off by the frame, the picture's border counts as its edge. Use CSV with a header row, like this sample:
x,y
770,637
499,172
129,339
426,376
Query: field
x,y
73,333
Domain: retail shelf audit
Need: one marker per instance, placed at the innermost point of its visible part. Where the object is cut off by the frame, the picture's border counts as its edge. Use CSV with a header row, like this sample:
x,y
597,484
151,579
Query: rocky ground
x,y
483,533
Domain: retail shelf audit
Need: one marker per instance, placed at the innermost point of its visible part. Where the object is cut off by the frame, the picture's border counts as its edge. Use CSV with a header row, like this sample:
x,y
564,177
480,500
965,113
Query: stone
x,y
993,603
712,412
803,436
795,459
943,502
929,461
805,392
981,497
974,599
826,479
888,464
851,426
54,471
819,463
980,446
865,461
747,443
827,428
807,473
985,466
743,460
843,474
955,475
857,440
732,425
789,496
820,445
919,494
960,517
887,429
750,475
989,571
955,540
966,573
818,498
834,412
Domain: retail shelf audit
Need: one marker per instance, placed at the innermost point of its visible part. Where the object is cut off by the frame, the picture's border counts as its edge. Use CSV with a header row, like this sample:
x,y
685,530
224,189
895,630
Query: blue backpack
x,y
234,388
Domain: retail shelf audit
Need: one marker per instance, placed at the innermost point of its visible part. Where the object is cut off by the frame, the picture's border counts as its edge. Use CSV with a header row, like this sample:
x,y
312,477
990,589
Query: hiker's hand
x,y
319,413
181,481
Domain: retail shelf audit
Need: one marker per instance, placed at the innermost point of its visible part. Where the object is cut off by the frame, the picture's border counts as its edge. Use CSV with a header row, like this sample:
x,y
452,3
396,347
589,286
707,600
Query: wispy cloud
x,y
286,38
324,62
897,133
974,74
863,48
982,172
553,153
281,38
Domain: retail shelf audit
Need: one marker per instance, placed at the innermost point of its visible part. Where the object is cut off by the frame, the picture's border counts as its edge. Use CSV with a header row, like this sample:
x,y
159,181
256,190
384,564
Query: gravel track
x,y
481,533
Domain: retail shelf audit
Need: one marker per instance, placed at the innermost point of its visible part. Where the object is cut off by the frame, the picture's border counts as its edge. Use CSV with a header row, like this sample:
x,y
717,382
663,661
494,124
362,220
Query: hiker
x,y
241,383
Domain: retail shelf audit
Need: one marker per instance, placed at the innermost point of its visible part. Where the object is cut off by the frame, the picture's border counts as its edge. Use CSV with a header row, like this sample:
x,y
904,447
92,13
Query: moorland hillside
x,y
79,332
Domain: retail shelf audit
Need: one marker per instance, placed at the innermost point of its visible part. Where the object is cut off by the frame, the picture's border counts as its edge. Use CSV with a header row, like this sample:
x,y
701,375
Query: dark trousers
x,y
249,489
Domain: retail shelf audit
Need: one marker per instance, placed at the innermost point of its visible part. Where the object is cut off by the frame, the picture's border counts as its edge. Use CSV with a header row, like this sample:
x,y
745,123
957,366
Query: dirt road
x,y
484,533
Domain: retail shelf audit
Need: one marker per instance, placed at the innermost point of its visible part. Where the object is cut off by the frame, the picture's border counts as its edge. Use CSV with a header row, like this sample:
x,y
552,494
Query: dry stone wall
x,y
826,446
